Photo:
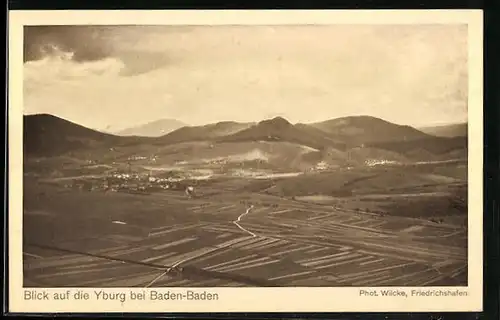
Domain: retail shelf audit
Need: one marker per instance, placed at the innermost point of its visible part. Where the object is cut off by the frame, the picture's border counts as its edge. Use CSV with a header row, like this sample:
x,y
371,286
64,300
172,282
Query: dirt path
x,y
236,222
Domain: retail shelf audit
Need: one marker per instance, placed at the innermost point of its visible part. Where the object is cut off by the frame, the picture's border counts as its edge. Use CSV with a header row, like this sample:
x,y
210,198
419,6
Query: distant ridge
x,y
279,129
153,129
206,132
357,130
449,131
333,140
46,135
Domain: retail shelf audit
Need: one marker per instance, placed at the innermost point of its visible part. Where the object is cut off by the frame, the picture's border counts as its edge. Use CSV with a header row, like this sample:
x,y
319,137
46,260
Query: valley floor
x,y
165,239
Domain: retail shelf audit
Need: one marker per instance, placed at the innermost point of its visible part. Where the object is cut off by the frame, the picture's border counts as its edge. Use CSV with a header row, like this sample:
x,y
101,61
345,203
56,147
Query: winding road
x,y
239,219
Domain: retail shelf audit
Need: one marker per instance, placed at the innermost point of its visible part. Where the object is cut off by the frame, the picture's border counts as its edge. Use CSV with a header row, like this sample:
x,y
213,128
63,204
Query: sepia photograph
x,y
245,156
265,155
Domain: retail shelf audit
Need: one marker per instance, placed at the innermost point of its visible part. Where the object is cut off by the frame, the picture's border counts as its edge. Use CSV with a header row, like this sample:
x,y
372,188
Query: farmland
x,y
239,232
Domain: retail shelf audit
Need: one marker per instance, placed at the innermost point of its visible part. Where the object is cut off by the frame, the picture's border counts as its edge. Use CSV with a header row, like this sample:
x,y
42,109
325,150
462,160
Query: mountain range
x,y
153,129
356,137
449,131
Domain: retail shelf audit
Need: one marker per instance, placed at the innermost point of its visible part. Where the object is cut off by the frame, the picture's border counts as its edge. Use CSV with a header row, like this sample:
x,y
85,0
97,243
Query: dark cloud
x,y
91,43
88,43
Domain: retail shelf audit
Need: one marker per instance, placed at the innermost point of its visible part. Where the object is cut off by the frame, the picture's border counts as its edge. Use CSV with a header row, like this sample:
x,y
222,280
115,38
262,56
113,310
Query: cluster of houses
x,y
321,166
373,162
130,182
138,158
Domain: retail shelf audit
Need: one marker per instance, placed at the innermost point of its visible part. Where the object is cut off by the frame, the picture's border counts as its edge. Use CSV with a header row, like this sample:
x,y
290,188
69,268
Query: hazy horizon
x,y
116,77
187,124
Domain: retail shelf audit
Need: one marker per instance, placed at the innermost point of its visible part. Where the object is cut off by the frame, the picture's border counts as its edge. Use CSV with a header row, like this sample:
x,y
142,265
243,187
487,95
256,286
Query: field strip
x,y
158,277
59,261
332,259
260,244
274,244
106,250
207,257
323,257
373,281
377,225
369,224
234,241
444,263
228,266
207,283
369,230
300,247
434,279
219,228
291,275
371,262
350,275
338,262
98,282
174,243
162,256
225,209
276,248
173,229
248,240
248,266
320,216
128,251
351,220
177,283
452,234
412,229
264,228
320,249
249,257
224,235
205,205
33,255
80,266
410,275
169,227
364,223
457,271
135,280
117,238
68,273
394,256
363,277
404,250
253,259
342,262
333,229
316,243
285,225
280,211
173,259
197,254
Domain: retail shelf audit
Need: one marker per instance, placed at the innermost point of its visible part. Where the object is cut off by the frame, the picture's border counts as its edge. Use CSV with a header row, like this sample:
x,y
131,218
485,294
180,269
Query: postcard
x,y
245,161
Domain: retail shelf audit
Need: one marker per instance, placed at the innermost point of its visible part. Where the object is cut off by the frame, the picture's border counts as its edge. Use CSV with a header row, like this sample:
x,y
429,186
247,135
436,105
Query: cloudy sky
x,y
113,77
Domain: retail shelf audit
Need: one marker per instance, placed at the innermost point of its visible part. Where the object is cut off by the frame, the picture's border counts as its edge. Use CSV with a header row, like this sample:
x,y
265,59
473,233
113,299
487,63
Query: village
x,y
131,182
